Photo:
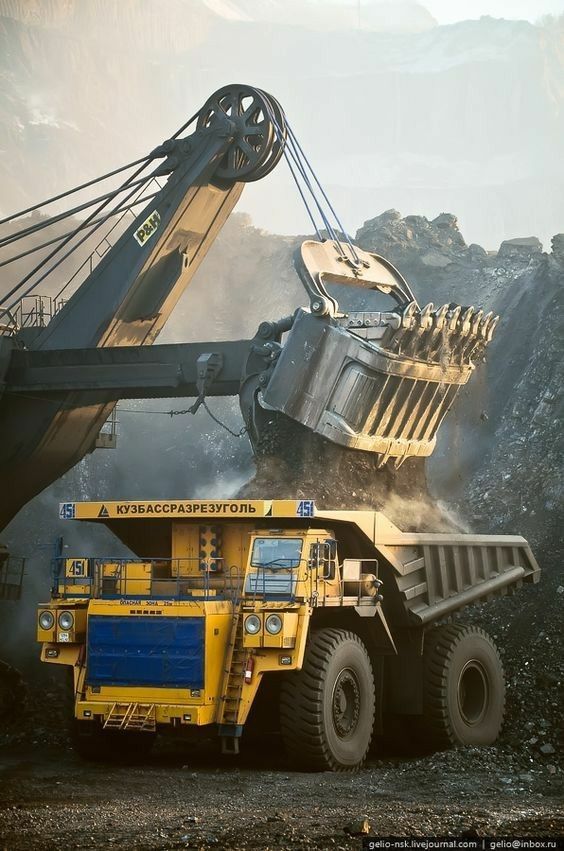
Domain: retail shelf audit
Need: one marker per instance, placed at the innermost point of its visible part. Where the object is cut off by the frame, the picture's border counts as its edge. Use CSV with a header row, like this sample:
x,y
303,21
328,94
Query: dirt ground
x,y
183,797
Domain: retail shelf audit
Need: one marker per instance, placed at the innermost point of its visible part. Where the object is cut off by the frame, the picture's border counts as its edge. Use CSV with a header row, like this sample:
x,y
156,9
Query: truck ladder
x,y
131,716
232,687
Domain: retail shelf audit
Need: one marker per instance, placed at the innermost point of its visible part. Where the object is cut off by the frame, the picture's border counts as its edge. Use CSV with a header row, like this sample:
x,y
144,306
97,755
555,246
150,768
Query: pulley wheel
x,y
278,119
250,111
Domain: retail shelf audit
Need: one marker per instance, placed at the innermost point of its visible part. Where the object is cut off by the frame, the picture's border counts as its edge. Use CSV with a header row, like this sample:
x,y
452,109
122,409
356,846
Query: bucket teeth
x,y
395,340
450,334
491,327
409,315
453,318
459,337
423,330
426,316
483,330
476,323
466,321
440,317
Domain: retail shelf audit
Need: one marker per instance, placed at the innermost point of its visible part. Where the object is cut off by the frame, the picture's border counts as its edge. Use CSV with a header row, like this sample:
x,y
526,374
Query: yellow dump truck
x,y
329,616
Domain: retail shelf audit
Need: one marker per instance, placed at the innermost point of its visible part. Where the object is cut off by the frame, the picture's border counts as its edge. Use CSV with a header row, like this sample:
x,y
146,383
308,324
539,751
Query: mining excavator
x,y
379,379
361,364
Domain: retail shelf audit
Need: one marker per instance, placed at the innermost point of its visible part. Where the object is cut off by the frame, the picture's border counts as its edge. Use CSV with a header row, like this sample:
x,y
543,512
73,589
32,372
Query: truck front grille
x,y
145,651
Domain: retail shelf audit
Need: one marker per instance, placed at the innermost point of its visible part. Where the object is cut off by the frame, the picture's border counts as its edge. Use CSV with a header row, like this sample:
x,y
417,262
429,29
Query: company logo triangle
x,y
103,512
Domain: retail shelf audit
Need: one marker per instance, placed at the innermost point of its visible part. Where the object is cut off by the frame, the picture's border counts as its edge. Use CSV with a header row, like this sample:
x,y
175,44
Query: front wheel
x,y
327,708
463,689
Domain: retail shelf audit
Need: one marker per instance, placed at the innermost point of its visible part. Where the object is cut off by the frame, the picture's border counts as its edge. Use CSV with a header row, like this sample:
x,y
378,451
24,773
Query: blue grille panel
x,y
145,651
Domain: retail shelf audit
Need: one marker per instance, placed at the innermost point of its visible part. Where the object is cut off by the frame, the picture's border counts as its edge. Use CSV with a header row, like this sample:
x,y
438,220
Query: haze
x,y
395,105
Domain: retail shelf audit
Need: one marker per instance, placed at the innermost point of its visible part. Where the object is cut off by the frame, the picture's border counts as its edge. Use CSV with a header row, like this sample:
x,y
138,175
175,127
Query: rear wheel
x,y
327,708
464,688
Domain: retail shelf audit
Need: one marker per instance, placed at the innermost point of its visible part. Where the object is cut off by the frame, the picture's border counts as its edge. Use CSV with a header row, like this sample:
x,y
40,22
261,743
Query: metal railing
x,y
272,583
296,580
36,311
204,578
147,579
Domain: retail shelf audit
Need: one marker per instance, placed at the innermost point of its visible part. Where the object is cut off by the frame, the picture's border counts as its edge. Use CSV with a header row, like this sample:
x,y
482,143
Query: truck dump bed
x,y
433,575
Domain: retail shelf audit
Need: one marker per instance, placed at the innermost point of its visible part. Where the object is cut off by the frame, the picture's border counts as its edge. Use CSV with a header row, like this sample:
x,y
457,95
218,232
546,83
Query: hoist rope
x,y
293,152
292,136
73,190
7,240
101,221
90,220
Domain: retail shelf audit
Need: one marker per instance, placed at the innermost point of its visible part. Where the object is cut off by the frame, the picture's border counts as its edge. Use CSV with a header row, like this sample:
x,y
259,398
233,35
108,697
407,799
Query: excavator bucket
x,y
379,380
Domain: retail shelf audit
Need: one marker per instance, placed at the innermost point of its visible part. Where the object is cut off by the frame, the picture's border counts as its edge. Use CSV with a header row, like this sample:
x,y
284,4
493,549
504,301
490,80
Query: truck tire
x,y
463,688
327,708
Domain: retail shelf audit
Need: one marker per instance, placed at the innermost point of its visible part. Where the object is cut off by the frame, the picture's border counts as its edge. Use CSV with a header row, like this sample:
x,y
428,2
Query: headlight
x,y
46,620
252,624
66,621
273,624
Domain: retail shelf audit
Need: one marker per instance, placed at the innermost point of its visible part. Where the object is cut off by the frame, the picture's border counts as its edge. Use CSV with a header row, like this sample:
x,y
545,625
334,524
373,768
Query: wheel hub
x,y
472,692
345,703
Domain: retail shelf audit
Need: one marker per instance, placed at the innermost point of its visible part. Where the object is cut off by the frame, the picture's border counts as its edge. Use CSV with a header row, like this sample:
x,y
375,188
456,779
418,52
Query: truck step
x,y
132,716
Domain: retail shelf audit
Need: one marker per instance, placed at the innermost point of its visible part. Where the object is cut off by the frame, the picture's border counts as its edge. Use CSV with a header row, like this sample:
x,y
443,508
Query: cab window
x,y
276,552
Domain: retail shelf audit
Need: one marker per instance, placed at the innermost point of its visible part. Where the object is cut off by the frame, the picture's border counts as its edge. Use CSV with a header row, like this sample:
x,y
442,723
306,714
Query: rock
x,y
477,252
436,260
357,828
547,749
445,220
551,769
557,243
520,248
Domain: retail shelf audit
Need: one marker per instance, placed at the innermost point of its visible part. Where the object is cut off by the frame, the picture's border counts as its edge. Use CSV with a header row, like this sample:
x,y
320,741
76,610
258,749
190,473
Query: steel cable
x,y
63,235
294,151
341,228
10,238
66,241
113,227
89,220
72,191
34,284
